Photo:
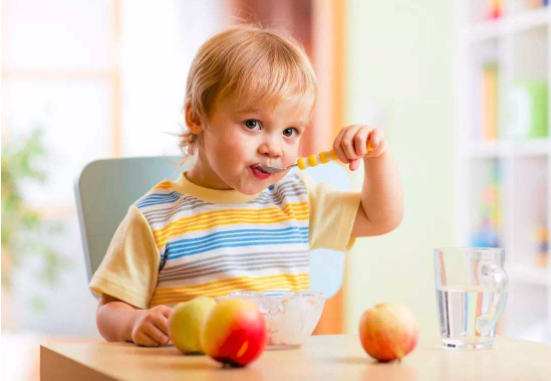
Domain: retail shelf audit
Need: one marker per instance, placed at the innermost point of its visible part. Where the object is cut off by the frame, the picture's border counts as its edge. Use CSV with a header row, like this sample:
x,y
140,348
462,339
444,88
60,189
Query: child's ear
x,y
193,121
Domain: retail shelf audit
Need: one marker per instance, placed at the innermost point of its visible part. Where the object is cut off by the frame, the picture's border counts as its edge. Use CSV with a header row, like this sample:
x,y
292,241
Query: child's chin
x,y
250,191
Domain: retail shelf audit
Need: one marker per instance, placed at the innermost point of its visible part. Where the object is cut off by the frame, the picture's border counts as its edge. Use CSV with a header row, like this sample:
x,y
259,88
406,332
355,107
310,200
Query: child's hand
x,y
150,329
351,144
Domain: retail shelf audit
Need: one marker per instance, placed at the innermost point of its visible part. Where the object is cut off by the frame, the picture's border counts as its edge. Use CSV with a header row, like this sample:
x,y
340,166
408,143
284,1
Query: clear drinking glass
x,y
471,291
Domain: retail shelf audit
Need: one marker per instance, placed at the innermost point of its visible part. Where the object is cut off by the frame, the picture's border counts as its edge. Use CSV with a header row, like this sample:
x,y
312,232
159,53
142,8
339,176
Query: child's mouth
x,y
258,173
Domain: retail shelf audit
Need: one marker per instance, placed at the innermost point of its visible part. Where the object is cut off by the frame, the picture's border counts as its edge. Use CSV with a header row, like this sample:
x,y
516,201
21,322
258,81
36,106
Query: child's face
x,y
234,141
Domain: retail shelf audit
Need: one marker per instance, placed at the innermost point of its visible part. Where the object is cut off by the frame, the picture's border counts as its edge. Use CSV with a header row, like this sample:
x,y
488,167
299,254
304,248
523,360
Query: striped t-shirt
x,y
180,240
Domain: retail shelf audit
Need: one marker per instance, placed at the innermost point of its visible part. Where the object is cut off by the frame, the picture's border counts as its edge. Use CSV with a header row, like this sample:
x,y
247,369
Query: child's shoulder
x,y
162,193
304,179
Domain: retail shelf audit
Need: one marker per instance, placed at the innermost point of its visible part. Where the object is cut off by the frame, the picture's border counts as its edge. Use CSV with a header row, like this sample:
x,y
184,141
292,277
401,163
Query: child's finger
x,y
340,154
156,334
375,138
165,310
144,339
360,142
338,149
161,322
354,164
347,143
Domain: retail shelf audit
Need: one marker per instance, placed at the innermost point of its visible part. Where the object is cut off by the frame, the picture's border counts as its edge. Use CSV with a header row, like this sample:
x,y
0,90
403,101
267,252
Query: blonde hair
x,y
252,64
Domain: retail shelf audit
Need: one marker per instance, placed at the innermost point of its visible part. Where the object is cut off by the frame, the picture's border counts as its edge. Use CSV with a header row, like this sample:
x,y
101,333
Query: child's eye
x,y
290,132
252,124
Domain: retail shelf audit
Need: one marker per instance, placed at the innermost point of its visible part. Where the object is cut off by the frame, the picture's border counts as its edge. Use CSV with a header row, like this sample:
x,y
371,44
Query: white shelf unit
x,y
518,42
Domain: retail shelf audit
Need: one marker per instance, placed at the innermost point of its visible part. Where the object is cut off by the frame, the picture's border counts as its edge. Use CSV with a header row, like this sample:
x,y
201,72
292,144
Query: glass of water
x,y
471,291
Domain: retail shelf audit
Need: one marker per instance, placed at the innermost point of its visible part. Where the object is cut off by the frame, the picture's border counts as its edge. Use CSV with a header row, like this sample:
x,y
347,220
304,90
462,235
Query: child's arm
x,y
119,321
382,204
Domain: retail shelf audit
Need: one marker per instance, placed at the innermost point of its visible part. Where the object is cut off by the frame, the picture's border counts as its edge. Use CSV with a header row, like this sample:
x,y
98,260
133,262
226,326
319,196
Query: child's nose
x,y
270,148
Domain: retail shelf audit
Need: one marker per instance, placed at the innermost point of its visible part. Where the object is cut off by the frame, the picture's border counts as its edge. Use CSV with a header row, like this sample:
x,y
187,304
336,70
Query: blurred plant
x,y
23,229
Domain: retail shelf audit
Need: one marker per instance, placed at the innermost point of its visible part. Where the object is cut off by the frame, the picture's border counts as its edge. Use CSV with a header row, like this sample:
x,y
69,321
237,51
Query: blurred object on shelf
x,y
488,226
540,224
485,236
542,242
489,101
527,110
503,110
495,9
535,4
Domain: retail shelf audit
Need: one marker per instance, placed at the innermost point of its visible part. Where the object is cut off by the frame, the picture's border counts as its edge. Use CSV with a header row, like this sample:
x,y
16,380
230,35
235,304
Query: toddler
x,y
225,225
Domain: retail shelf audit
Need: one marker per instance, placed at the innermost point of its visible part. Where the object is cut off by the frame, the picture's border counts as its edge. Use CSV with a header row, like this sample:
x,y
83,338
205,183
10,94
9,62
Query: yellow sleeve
x,y
129,269
332,215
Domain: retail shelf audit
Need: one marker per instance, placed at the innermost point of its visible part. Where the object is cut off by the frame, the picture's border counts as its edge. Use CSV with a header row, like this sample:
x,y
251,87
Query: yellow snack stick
x,y
321,158
301,163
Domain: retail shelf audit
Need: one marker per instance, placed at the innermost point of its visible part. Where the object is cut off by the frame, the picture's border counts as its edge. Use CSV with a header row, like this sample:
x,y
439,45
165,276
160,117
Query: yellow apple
x,y
185,324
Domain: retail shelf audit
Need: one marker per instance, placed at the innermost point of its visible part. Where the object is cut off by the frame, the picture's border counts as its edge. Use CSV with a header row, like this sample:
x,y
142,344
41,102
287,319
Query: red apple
x,y
235,333
388,331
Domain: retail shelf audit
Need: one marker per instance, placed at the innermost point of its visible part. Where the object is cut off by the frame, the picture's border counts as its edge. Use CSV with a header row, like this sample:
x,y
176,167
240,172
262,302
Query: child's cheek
x,y
291,155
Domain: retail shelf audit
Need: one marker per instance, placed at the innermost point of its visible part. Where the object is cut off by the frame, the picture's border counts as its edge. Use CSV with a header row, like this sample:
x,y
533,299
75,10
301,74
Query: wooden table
x,y
338,357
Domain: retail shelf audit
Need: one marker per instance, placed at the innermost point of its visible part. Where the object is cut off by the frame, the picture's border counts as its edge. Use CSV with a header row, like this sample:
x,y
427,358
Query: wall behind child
x,y
401,78
103,78
399,67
